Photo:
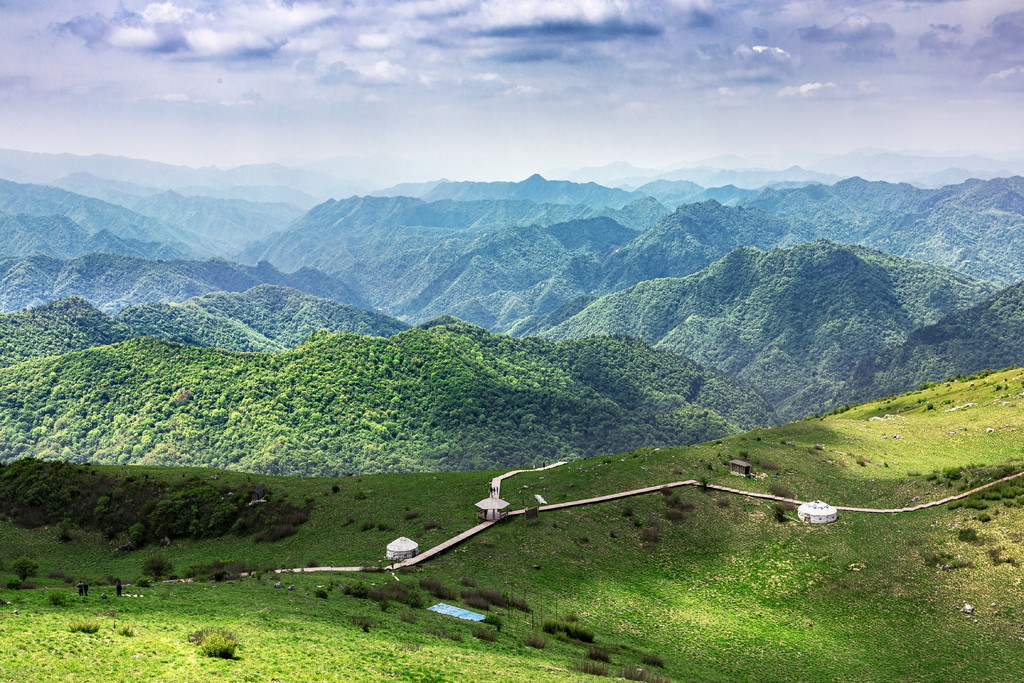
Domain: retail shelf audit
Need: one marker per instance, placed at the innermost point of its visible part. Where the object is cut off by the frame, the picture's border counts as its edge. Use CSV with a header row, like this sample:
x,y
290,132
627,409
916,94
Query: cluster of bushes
x,y
138,509
215,642
385,594
569,629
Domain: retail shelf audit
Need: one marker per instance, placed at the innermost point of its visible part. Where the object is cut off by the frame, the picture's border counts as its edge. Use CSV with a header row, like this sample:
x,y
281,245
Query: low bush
x,y
968,535
58,598
484,634
126,631
14,584
598,654
84,626
535,640
218,644
571,629
493,620
585,666
437,588
320,593
653,660
450,635
780,491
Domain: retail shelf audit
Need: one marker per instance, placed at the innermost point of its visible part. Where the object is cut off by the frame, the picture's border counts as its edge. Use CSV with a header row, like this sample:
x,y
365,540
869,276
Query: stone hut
x,y
740,468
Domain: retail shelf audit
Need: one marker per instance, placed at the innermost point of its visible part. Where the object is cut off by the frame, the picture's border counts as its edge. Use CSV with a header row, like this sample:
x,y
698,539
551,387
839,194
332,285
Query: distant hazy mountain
x,y
448,397
230,224
916,168
791,322
60,237
264,318
113,282
535,188
672,193
976,227
987,335
97,216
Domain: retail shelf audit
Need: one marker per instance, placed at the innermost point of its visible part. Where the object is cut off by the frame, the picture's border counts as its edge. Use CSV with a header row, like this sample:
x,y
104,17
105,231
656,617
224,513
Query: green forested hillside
x,y
112,282
791,322
264,318
96,216
535,188
447,397
58,327
987,335
60,237
976,227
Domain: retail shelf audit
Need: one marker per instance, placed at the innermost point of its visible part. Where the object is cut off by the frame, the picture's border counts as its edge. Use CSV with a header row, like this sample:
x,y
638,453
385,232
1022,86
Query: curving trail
x,y
496,486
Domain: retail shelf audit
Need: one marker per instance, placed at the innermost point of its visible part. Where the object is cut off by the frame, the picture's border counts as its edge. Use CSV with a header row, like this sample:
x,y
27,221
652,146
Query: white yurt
x,y
817,512
402,549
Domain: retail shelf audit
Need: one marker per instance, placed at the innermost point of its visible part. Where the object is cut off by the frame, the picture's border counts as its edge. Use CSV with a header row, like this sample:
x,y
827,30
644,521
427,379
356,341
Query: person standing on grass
x,y
117,587
81,588
86,589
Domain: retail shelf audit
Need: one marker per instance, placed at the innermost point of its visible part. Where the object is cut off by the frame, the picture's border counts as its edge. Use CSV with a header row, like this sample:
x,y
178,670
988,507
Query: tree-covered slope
x,y
535,188
96,216
112,282
976,227
60,237
987,335
264,318
56,328
791,322
447,397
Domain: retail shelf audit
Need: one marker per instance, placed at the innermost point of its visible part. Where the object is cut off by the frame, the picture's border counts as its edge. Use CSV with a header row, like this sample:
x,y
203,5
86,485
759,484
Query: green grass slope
x,y
448,397
792,322
987,335
712,584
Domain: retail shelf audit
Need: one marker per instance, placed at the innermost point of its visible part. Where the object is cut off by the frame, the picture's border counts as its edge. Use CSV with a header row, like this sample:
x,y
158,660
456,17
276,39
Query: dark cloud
x,y
577,30
861,39
941,38
92,28
699,18
1004,41
526,55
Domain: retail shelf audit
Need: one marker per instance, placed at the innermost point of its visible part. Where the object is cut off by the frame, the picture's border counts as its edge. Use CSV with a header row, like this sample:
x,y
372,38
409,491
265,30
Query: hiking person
x,y
81,588
117,587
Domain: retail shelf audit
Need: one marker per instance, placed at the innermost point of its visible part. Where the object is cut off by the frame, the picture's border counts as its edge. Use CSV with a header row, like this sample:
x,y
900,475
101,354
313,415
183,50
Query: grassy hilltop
x,y
713,585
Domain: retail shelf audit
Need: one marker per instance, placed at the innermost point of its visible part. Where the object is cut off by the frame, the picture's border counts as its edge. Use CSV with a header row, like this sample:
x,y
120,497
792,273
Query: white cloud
x,y
374,41
809,90
1012,78
382,72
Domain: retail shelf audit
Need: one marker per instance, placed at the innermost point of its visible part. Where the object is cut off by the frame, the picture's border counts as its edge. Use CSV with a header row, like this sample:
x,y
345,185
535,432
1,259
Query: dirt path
x,y
496,486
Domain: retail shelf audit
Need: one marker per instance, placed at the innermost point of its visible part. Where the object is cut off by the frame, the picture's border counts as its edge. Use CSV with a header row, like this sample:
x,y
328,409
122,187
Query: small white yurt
x,y
817,512
402,549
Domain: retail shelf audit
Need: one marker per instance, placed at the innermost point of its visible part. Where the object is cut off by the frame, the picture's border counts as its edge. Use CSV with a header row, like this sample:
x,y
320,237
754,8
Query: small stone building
x,y
817,512
402,548
740,468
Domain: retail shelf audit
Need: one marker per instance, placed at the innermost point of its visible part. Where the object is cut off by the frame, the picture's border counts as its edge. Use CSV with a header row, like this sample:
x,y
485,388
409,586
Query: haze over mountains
x,y
811,289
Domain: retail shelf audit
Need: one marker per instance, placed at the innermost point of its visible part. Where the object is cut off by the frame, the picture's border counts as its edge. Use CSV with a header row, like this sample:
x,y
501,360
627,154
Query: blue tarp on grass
x,y
457,612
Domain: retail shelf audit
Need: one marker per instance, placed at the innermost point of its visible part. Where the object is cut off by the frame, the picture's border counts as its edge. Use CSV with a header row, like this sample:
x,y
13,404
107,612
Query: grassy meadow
x,y
700,584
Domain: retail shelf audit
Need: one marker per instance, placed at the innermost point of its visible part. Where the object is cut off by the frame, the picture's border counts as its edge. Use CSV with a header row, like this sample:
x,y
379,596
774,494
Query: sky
x,y
500,88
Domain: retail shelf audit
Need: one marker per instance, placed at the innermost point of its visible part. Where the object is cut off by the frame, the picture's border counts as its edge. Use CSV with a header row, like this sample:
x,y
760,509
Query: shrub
x,y
521,605
632,672
493,620
450,635
408,617
585,666
84,626
968,535
157,565
780,491
782,510
320,593
437,588
57,598
484,634
143,583
674,515
653,660
24,567
572,630
357,589
468,583
275,533
412,514
598,654
474,599
534,640
651,534
984,517
215,642
126,631
14,584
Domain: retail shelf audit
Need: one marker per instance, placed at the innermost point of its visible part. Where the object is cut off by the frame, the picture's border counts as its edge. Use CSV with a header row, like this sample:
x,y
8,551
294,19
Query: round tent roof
x,y
817,508
492,503
402,544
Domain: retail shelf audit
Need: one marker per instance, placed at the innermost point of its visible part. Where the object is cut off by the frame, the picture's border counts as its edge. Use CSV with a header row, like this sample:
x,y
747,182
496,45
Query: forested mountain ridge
x,y
448,397
987,335
60,237
56,328
264,318
976,227
113,282
791,322
96,216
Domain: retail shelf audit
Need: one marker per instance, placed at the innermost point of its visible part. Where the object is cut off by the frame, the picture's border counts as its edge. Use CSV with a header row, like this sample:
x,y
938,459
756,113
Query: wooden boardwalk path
x,y
496,485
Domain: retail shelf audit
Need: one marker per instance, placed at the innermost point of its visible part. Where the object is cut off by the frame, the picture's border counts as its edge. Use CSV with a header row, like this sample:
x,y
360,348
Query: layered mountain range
x,y
767,285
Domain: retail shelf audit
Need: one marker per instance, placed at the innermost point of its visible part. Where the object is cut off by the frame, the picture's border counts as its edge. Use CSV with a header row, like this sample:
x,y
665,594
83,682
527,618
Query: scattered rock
x,y
278,585
536,566
104,596
989,430
291,588
967,608
915,499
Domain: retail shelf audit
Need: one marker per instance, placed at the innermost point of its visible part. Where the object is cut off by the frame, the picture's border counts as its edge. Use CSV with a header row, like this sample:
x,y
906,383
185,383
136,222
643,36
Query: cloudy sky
x,y
497,88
